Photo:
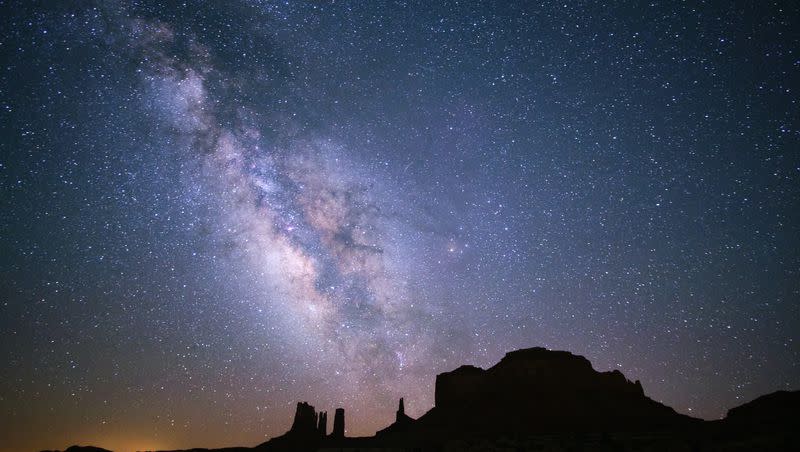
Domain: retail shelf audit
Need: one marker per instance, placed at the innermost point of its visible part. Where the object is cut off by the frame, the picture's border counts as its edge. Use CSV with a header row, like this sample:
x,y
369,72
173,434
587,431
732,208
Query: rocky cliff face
x,y
538,390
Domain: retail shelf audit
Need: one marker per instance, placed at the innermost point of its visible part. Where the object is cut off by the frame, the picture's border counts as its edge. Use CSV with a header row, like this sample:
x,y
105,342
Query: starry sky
x,y
210,211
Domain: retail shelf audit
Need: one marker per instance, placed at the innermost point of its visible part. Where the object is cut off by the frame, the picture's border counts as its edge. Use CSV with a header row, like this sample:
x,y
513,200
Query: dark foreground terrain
x,y
541,400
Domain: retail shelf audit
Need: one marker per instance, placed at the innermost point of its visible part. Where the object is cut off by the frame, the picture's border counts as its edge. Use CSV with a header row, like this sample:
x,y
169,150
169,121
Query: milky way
x,y
323,239
211,211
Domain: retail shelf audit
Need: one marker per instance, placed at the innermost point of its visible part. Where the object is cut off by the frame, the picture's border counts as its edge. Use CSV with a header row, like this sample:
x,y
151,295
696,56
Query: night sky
x,y
210,211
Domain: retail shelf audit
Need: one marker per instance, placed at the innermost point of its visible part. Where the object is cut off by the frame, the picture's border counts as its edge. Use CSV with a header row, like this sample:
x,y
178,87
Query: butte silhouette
x,y
538,399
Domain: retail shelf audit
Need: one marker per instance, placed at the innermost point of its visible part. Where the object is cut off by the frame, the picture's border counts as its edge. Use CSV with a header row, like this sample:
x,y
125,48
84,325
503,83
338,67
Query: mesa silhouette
x,y
77,448
537,399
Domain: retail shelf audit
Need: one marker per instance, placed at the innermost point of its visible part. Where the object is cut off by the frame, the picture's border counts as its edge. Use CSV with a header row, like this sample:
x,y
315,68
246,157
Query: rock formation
x,y
305,419
307,433
322,426
402,422
540,390
401,411
537,399
338,423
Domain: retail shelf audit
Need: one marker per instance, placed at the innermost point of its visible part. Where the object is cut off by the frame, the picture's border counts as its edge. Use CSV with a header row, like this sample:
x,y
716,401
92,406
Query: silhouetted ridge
x,y
537,389
82,449
777,409
538,399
